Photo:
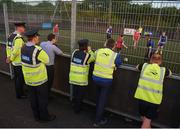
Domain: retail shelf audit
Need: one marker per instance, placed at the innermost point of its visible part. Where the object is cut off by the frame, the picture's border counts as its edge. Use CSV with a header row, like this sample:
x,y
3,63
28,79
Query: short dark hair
x,y
83,44
51,36
30,38
110,43
121,35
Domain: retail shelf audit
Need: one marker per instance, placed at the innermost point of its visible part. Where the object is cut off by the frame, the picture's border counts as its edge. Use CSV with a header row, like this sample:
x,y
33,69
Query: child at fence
x,y
161,43
150,46
150,88
109,32
120,43
136,38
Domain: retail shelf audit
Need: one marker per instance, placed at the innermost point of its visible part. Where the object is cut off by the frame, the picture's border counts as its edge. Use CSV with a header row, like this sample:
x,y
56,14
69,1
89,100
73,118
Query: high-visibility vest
x,y
10,47
104,63
150,86
79,69
34,71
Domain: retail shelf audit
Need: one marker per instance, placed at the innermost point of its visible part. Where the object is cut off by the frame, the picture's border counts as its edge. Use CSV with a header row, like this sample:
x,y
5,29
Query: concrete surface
x,y
17,113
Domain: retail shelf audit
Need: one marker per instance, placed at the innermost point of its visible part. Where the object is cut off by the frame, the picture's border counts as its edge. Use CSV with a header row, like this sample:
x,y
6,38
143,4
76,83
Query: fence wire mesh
x,y
94,17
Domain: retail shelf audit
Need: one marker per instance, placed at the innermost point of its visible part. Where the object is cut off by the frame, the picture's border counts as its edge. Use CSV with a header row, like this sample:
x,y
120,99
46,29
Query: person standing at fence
x,y
109,32
150,47
136,38
13,50
35,74
106,60
51,49
79,71
162,42
150,88
120,43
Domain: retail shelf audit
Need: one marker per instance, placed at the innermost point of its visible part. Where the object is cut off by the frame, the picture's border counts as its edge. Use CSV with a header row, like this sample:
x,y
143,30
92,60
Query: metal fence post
x,y
6,22
110,11
73,34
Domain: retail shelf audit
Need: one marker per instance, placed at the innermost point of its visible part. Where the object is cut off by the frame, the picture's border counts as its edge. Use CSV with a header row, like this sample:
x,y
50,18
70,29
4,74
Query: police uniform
x,y
150,89
105,62
78,76
13,50
35,75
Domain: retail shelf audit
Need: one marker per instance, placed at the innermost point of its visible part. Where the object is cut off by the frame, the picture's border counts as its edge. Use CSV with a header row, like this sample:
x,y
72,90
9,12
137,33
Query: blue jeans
x,y
102,94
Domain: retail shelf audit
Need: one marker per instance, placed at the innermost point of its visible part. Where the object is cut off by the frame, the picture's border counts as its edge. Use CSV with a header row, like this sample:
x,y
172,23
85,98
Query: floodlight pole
x,y
73,34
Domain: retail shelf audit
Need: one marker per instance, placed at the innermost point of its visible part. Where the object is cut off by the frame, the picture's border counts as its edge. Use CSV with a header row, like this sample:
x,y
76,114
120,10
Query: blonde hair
x,y
156,58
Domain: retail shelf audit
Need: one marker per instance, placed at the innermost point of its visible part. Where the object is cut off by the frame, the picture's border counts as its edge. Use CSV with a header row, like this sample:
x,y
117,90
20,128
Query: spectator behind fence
x,y
106,60
33,60
150,88
13,50
79,71
51,49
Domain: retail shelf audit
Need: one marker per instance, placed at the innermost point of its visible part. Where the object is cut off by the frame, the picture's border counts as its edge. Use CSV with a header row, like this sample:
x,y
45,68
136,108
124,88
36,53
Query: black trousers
x,y
19,81
50,73
38,96
108,36
78,95
102,95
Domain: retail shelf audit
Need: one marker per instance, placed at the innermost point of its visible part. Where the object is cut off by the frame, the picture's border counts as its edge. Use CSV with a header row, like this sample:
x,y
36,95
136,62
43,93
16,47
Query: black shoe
x,y
50,118
101,123
22,97
36,118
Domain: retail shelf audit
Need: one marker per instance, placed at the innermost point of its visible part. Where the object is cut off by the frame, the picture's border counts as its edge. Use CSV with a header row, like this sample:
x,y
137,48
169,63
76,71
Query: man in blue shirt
x,y
51,49
106,61
150,47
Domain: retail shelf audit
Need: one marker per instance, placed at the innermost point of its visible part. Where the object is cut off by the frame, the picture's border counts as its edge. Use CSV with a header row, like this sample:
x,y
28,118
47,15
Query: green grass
x,y
171,54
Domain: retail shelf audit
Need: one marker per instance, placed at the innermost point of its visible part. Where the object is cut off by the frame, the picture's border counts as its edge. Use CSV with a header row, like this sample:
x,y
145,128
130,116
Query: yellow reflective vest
x,y
79,69
104,63
33,65
13,48
150,86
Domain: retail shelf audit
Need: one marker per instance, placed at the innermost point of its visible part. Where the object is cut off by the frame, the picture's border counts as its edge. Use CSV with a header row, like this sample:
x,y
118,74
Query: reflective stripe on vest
x,y
108,68
149,89
16,64
160,81
37,83
31,66
78,83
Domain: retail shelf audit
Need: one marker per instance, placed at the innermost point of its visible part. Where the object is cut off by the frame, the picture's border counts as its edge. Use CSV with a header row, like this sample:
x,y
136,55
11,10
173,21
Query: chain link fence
x,y
94,17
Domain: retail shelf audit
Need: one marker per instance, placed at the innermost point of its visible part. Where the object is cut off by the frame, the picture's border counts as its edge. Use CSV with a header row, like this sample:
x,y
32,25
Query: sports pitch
x,y
171,54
